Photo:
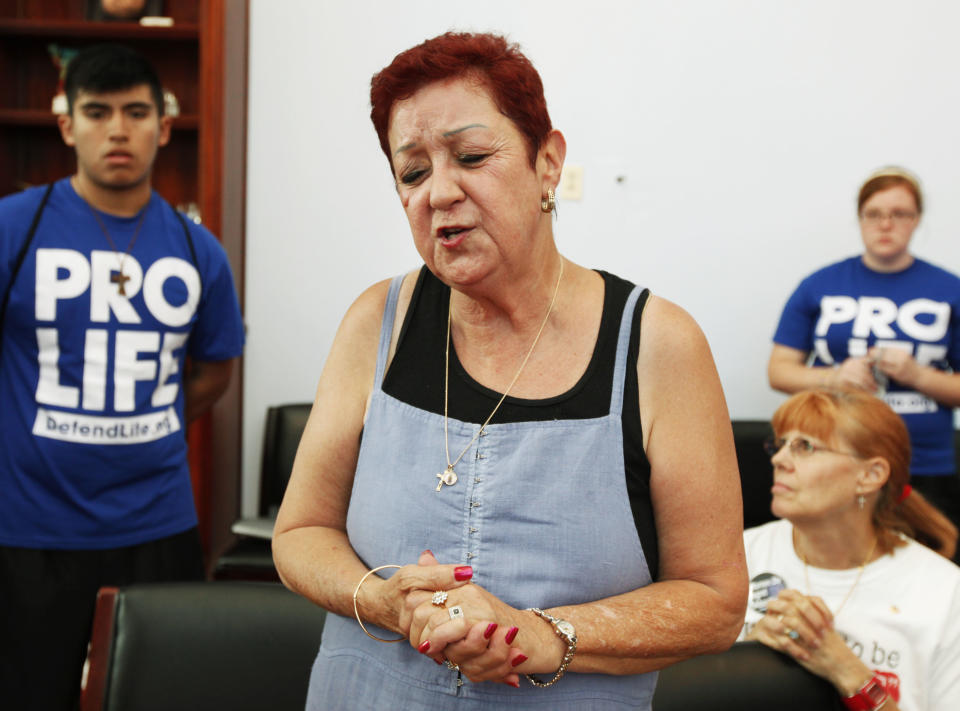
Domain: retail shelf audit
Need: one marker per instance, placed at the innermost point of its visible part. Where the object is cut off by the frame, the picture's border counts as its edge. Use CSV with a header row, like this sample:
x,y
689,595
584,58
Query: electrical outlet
x,y
571,182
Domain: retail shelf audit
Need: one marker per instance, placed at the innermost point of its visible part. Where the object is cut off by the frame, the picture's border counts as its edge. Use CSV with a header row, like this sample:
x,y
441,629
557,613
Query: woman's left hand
x,y
491,642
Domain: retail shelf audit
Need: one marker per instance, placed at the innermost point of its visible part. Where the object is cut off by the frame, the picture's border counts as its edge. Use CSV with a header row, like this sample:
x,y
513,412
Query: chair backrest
x,y
756,472
956,448
281,437
746,676
222,645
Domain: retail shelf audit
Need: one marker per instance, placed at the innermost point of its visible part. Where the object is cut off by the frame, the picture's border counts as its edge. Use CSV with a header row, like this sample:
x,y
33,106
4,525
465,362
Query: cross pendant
x,y
119,278
447,476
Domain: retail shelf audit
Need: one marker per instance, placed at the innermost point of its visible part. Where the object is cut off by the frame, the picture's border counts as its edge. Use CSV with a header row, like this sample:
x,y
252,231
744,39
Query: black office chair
x,y
747,676
756,472
242,646
250,558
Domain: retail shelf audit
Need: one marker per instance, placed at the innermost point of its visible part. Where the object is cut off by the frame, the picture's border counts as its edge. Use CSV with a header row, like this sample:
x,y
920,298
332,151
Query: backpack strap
x,y
193,251
22,254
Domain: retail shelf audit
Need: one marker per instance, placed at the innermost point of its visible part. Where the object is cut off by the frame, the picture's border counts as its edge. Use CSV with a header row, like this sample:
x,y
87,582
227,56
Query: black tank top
x,y
415,376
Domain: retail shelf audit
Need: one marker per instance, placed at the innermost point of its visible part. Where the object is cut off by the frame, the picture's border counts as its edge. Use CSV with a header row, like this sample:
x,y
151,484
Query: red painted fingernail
x,y
491,628
511,634
424,647
463,572
514,683
427,550
518,660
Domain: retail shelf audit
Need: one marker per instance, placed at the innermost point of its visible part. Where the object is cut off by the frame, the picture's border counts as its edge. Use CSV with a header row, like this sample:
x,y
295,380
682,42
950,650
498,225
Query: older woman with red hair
x,y
572,479
841,583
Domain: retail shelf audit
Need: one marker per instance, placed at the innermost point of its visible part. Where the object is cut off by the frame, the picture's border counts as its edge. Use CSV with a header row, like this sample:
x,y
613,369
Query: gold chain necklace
x,y
448,476
116,277
863,565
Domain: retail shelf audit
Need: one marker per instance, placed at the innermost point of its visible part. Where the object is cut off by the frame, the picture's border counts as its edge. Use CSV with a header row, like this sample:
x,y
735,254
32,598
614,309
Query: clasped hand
x,y
485,643
896,364
858,372
802,626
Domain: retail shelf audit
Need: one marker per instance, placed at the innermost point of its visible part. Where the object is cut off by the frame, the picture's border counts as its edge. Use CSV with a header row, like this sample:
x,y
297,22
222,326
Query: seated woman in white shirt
x,y
841,583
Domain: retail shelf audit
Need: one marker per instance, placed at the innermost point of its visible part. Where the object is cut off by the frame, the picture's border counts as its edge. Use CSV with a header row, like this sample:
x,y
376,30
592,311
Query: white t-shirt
x,y
902,619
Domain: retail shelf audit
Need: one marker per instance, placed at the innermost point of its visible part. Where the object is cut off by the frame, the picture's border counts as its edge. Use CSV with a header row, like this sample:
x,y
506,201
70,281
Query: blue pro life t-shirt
x,y
844,309
92,446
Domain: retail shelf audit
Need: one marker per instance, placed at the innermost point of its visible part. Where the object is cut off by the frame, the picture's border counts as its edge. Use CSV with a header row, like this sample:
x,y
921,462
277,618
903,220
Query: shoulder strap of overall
x,y
22,254
636,299
386,329
193,251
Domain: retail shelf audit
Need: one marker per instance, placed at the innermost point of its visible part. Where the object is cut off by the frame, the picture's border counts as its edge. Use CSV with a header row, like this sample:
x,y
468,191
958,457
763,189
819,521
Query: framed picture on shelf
x,y
122,10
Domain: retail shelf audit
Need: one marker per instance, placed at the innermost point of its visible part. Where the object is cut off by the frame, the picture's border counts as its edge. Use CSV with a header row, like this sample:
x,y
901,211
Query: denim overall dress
x,y
540,511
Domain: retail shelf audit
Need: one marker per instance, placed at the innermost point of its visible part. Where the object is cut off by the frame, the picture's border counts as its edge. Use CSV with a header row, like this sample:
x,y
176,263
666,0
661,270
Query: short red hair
x,y
497,65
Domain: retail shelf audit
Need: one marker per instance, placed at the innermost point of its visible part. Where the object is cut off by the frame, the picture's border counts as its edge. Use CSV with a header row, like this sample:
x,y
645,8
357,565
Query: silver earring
x,y
861,500
548,202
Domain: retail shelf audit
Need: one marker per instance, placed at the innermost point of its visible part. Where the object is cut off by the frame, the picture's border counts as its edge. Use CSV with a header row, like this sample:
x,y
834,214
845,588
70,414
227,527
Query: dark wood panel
x,y
33,117
175,172
36,155
27,117
30,77
50,9
181,10
231,21
99,30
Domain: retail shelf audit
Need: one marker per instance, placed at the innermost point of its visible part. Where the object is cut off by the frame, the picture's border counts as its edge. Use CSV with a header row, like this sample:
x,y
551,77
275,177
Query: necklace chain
x,y
863,565
449,476
120,278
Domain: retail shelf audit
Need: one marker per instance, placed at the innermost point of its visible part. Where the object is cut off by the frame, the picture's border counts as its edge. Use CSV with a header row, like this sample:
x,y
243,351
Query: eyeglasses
x,y
799,447
898,216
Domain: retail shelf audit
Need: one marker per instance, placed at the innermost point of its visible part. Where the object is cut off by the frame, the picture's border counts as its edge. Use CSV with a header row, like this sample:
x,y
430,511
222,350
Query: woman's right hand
x,y
390,603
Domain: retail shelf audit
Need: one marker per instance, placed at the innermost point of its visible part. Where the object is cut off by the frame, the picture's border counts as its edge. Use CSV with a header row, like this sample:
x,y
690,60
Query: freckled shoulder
x,y
669,337
676,375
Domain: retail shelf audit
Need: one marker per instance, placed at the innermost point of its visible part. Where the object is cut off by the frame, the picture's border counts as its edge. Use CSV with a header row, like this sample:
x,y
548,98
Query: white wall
x,y
743,129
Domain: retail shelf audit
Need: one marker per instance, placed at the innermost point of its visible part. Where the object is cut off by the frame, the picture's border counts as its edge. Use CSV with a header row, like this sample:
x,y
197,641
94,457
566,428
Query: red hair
x,y
498,66
868,425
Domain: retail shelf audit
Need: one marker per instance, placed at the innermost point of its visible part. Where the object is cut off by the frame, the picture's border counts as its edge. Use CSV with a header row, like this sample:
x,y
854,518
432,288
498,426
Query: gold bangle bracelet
x,y
357,612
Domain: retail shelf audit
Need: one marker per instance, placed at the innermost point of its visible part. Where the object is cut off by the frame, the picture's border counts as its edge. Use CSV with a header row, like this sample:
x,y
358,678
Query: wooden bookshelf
x,y
102,31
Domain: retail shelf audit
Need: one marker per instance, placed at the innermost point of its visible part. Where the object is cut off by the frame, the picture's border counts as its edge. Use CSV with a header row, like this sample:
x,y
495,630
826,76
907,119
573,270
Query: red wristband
x,y
868,697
